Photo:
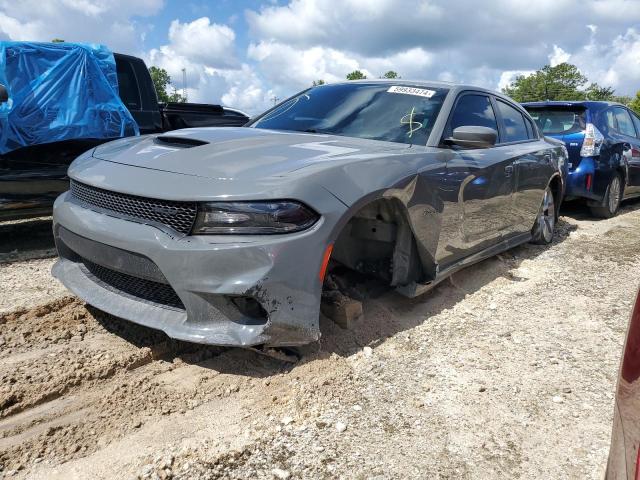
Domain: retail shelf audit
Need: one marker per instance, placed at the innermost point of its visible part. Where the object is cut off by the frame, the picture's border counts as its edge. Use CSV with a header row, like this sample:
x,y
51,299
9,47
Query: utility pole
x,y
274,99
184,84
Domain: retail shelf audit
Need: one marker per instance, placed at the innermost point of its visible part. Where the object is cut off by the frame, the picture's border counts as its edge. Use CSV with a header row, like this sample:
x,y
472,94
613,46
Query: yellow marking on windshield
x,y
411,122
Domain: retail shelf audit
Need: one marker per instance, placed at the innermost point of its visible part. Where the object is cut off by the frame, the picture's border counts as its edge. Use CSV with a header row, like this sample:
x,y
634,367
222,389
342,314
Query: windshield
x,y
558,121
393,113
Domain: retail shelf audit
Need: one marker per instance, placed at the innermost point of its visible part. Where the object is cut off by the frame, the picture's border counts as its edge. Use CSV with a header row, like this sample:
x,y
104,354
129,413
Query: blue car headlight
x,y
253,218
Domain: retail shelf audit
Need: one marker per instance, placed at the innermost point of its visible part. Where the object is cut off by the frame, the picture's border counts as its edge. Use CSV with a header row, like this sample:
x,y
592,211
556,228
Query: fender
x,y
413,255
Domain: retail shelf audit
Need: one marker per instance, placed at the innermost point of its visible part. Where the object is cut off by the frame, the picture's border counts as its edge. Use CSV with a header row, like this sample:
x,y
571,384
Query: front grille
x,y
154,292
178,216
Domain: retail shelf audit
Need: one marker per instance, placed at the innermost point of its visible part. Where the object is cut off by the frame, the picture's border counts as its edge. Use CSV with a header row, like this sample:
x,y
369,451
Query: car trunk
x,y
565,123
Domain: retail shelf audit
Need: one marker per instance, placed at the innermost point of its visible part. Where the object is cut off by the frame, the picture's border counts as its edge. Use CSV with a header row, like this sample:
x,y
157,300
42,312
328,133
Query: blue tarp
x,y
60,91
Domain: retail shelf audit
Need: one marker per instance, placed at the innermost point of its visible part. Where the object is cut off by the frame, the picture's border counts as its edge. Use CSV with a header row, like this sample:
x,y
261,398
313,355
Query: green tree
x,y
391,74
561,82
623,99
596,92
57,40
161,81
635,103
356,75
318,82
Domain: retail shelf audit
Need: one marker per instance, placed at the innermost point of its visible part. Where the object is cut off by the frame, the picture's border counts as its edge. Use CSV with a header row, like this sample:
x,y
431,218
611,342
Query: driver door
x,y
481,184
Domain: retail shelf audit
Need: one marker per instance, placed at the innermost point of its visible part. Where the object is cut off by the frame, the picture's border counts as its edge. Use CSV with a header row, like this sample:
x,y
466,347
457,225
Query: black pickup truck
x,y
32,177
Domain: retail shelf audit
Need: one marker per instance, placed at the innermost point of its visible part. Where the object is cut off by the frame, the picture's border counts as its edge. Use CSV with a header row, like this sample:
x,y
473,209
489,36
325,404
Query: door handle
x,y
508,171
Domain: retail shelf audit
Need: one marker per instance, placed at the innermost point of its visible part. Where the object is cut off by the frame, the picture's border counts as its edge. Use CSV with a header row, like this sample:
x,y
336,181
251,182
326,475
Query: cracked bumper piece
x,y
239,291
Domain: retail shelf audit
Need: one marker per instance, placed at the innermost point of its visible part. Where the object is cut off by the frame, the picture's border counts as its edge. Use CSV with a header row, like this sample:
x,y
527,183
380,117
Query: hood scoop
x,y
179,141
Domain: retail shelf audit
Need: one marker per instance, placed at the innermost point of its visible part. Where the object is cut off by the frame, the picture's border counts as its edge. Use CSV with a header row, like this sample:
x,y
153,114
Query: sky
x,y
245,53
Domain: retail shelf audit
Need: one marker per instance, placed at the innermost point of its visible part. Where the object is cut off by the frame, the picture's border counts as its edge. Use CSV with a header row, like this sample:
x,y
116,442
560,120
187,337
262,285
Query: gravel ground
x,y
506,371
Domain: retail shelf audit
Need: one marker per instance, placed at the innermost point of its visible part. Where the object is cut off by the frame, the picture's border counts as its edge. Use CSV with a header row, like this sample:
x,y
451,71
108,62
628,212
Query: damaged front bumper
x,y
221,290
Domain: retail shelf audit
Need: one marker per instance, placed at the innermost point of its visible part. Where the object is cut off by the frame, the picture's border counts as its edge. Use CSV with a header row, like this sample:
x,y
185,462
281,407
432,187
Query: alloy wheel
x,y
614,194
547,216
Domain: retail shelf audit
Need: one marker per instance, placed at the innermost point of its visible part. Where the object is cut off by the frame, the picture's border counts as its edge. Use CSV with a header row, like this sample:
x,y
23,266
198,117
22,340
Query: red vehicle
x,y
624,457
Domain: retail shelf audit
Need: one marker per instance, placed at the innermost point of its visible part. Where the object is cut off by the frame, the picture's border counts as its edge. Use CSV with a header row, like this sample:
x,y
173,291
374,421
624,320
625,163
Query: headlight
x,y
242,218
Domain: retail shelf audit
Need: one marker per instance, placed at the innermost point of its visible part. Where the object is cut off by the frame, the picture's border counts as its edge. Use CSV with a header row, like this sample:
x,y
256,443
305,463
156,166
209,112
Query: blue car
x,y
603,142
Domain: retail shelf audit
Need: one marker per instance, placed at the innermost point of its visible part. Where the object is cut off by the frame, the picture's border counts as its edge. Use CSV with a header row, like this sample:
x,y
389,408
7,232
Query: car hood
x,y
238,153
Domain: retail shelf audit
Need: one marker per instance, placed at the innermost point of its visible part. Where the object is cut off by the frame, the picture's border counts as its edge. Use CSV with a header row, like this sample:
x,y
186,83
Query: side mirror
x,y
4,95
472,136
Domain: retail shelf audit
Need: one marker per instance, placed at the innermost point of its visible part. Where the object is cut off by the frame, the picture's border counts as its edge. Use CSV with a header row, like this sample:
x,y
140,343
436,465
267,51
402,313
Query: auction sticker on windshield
x,y
421,92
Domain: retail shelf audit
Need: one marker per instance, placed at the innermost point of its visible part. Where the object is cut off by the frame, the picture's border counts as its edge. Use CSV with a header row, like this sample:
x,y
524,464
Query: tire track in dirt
x,y
55,348
73,379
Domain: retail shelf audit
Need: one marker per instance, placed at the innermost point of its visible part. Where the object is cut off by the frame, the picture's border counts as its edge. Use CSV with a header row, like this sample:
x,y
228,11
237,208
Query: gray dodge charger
x,y
224,235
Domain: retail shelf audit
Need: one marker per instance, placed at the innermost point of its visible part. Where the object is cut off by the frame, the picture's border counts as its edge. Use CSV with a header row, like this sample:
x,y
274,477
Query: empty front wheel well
x,y
378,241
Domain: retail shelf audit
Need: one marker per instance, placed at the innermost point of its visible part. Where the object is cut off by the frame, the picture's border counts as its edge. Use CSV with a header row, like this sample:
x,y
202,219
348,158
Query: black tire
x,y
543,230
611,200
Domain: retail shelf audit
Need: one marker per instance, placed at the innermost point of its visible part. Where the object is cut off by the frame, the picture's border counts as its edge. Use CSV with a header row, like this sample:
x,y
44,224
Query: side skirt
x,y
630,196
415,289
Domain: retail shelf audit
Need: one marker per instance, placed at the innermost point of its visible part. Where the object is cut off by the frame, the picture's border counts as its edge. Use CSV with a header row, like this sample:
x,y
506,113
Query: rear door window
x,y
515,129
128,85
625,124
558,121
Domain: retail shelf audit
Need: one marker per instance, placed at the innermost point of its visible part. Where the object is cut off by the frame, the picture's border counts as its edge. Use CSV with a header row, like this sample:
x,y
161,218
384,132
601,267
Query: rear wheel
x,y
612,198
542,232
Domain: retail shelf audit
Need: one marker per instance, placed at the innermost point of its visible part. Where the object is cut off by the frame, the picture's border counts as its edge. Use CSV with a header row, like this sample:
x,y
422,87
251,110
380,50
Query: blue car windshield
x,y
392,113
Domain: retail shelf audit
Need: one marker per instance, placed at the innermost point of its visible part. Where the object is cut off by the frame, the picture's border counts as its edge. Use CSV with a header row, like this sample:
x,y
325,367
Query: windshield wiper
x,y
315,130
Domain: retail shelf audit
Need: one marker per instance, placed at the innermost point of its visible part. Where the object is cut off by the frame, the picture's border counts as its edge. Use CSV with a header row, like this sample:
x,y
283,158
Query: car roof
x,y
420,83
592,104
452,86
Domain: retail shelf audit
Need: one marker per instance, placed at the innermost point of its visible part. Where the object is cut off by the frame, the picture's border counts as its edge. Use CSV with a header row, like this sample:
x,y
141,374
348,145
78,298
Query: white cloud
x,y
289,68
206,51
13,29
94,21
615,63
626,11
364,26
463,41
203,42
506,78
411,62
246,91
558,56
292,44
